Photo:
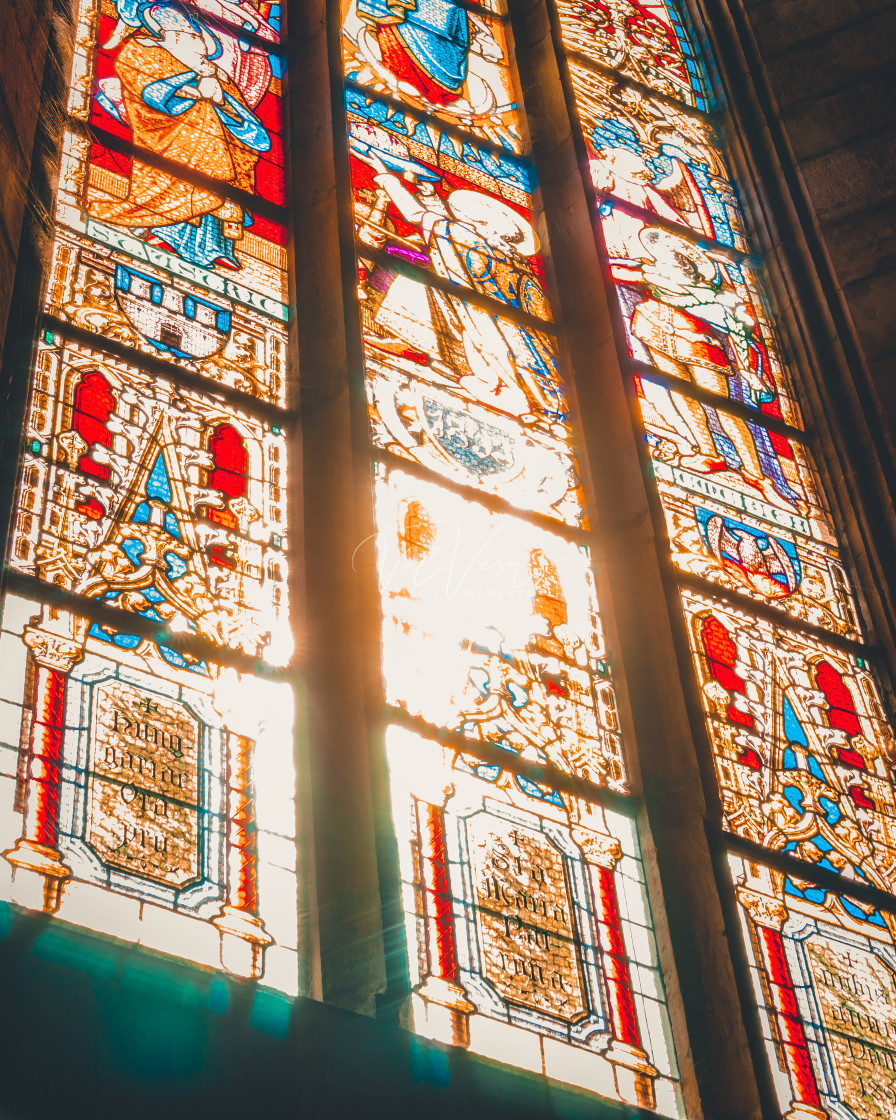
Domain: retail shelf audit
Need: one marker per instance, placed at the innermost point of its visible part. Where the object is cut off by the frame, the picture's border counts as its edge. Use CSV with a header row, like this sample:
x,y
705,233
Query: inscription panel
x,y
524,918
856,994
143,784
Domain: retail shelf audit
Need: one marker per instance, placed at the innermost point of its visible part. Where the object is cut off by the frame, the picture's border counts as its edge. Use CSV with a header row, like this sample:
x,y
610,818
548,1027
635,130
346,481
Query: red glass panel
x,y
841,709
93,405
851,758
92,509
861,798
721,653
231,467
228,450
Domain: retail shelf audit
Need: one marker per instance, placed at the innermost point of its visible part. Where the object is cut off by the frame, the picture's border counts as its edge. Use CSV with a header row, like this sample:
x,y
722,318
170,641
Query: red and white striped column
x,y
38,871
243,936
441,992
768,916
632,1068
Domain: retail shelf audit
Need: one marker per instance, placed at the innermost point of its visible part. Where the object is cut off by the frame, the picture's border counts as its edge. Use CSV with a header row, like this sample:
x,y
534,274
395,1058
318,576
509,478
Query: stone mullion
x,y
336,671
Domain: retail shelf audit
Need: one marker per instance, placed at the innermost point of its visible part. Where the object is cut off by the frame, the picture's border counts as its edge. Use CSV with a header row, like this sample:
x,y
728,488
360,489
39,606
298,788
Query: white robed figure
x,y
481,243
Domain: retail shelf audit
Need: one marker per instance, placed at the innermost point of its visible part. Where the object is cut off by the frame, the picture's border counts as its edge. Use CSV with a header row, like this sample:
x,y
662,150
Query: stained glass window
x,y
801,743
643,40
528,927
148,788
448,60
802,767
147,777
824,972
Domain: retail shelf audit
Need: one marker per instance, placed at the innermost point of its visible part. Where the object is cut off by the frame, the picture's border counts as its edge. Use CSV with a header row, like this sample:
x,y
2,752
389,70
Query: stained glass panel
x,y
801,740
491,630
260,19
167,796
529,926
125,500
742,507
654,155
472,394
643,39
708,441
445,204
497,359
260,263
743,504
430,420
446,59
192,90
239,24
693,314
824,972
223,315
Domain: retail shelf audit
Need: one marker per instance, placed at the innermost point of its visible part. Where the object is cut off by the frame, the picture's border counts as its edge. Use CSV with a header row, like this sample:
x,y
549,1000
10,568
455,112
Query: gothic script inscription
x,y
524,914
856,993
143,784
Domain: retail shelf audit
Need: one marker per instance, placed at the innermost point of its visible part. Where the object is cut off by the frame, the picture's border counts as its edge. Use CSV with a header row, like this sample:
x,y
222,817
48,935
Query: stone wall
x,y
831,71
23,49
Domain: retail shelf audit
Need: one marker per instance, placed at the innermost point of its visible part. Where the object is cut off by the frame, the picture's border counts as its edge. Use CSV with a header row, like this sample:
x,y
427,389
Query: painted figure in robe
x,y
678,182
480,243
437,53
692,323
188,93
424,43
695,327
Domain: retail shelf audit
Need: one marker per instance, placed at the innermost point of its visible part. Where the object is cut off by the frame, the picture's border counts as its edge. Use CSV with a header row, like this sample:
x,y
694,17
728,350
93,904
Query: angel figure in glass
x,y
693,325
480,243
